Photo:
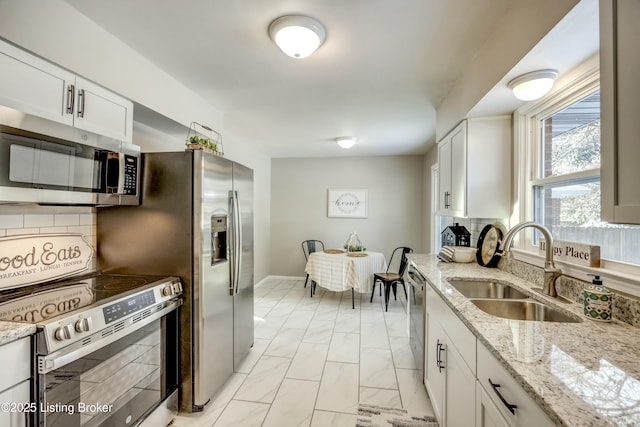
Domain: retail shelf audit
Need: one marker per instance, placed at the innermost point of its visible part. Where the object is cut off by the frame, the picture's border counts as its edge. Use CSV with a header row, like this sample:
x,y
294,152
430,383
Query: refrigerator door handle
x,y
238,237
232,243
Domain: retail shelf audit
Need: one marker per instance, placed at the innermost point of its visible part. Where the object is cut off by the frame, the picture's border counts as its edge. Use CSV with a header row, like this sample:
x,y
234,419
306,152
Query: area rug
x,y
381,416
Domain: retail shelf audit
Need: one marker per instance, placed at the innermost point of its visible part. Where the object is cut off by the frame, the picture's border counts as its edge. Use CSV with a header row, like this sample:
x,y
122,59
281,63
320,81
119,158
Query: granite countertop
x,y
12,331
580,374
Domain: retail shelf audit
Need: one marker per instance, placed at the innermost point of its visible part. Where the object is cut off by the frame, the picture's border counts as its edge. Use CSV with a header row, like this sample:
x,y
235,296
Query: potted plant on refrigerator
x,y
198,142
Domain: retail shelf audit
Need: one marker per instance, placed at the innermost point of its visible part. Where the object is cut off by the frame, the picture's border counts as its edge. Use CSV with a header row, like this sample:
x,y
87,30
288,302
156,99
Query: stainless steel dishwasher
x,y
417,315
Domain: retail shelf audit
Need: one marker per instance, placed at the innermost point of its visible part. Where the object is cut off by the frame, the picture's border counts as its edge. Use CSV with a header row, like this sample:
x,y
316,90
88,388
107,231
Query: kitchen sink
x,y
523,310
486,289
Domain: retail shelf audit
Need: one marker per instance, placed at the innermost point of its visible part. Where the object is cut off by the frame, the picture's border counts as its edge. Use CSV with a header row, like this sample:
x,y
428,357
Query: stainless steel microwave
x,y
36,168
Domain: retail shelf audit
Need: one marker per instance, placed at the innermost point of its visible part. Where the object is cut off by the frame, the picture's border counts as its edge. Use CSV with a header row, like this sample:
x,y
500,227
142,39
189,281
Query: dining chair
x,y
390,280
309,247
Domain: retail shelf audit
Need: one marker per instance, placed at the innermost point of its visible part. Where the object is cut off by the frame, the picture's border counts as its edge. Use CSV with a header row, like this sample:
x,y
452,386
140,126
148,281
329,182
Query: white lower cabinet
x,y
487,413
15,383
467,385
510,400
17,398
460,393
434,375
450,365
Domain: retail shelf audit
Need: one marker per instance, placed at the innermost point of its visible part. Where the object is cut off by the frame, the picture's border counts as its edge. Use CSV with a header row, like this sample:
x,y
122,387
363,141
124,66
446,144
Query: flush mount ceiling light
x,y
346,141
533,85
298,36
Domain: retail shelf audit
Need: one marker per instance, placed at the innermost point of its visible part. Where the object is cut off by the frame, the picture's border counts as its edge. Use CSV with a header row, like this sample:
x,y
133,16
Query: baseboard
x,y
261,282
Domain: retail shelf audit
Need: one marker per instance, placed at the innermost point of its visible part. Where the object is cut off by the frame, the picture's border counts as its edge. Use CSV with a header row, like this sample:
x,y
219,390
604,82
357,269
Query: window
x,y
563,188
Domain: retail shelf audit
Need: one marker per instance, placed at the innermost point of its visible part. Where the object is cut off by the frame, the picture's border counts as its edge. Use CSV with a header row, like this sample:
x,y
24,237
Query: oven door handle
x,y
57,359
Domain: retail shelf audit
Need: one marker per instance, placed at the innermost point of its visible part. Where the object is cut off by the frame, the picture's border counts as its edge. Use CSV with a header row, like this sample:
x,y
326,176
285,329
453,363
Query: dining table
x,y
337,270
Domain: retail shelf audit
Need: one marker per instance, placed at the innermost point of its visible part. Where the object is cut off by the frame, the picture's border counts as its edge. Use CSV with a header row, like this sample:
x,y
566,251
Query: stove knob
x,y
63,333
167,291
83,325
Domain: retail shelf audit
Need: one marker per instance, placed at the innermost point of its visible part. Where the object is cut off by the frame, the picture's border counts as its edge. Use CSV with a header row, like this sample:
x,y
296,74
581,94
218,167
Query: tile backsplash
x,y
477,224
21,220
473,225
626,308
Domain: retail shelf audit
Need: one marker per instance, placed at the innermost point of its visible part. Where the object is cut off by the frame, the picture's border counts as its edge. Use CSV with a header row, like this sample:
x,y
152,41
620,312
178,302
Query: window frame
x,y
526,151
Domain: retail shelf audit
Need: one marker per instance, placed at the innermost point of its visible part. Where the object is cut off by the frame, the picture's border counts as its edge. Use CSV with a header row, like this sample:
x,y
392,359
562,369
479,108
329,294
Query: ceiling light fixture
x,y
533,85
346,142
298,36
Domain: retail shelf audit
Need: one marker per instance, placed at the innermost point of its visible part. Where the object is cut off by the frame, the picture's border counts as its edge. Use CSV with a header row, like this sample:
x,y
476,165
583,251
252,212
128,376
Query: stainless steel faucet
x,y
551,272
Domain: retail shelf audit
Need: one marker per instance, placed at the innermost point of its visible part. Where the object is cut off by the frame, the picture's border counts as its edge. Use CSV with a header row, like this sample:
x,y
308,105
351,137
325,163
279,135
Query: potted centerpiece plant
x,y
353,246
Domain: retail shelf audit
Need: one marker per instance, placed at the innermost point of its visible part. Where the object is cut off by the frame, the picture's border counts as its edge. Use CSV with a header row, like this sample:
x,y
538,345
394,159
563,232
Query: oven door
x,y
118,384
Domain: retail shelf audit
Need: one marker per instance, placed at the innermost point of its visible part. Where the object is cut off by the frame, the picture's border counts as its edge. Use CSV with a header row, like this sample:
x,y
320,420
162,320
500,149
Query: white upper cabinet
x,y
620,103
34,86
102,112
475,169
451,163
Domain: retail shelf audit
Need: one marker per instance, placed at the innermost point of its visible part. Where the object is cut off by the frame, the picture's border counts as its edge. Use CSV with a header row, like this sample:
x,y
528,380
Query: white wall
x,y
299,206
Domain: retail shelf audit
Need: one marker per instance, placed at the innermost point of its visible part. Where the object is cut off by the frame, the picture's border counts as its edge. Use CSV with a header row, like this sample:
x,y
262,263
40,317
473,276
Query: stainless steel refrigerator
x,y
195,221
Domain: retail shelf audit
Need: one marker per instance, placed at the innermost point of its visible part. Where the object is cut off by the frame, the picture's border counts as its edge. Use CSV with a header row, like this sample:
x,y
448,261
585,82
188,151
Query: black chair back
x,y
311,246
403,260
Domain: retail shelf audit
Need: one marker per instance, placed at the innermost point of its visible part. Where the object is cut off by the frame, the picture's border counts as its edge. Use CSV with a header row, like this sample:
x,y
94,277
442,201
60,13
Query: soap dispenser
x,y
597,300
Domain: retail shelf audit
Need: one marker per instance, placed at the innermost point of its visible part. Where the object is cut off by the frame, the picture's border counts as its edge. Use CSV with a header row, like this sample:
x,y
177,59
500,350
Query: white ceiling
x,y
379,76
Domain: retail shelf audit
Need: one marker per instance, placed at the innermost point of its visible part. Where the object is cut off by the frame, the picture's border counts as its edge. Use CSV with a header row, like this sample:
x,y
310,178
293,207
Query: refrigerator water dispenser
x,y
218,239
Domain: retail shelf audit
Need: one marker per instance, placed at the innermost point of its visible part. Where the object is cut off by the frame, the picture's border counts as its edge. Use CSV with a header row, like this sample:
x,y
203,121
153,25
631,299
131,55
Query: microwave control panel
x,y
130,175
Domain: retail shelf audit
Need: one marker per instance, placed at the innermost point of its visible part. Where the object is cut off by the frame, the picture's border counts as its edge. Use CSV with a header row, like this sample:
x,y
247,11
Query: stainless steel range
x,y
106,347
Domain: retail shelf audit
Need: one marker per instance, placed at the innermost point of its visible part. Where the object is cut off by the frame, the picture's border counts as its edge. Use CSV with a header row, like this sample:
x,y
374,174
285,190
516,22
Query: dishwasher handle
x,y
416,277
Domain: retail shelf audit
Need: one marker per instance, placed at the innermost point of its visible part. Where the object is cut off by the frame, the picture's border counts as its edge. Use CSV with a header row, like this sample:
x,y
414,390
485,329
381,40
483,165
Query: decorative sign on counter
x,y
574,253
31,259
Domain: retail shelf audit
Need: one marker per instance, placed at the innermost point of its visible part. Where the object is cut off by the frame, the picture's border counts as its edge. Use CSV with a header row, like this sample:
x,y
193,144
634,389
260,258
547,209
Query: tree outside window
x,y
567,189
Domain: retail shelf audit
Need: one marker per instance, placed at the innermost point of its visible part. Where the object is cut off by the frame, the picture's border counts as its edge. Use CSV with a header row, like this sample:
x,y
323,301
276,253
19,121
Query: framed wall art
x,y
346,203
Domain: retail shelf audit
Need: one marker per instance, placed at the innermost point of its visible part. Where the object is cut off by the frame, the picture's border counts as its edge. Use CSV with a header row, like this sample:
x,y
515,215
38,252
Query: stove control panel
x,y
85,325
127,306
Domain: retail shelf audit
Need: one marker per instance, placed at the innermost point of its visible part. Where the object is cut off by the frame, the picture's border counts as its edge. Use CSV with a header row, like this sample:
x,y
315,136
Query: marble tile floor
x,y
313,361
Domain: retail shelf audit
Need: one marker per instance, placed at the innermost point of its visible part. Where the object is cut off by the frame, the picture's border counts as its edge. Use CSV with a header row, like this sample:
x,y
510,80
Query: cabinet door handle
x,y
447,196
71,98
511,407
439,349
81,103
